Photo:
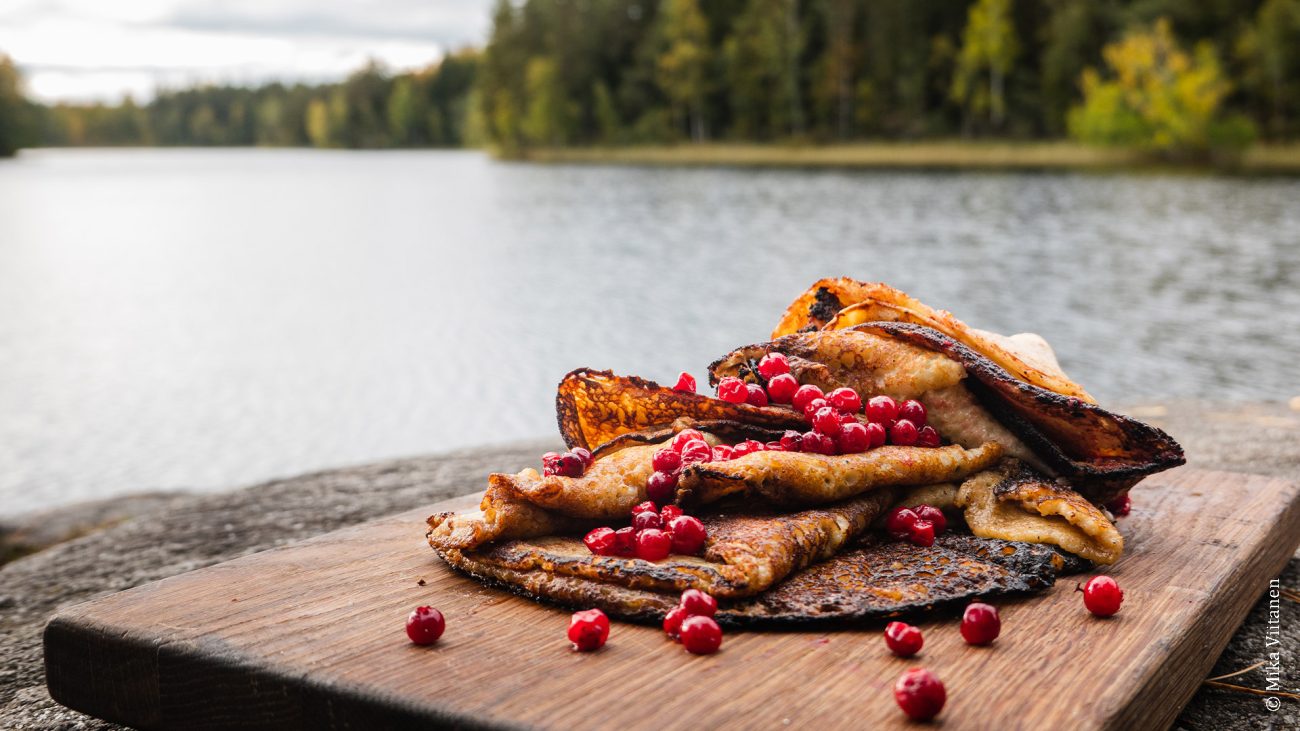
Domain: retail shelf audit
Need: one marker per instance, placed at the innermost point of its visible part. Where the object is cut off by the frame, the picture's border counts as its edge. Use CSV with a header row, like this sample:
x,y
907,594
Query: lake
x,y
202,319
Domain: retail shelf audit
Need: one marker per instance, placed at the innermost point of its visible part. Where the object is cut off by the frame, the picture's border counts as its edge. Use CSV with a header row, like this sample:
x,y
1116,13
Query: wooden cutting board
x,y
311,636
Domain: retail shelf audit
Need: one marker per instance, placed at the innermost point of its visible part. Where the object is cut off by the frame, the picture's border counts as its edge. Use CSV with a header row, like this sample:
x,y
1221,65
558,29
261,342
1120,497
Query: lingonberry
x,y
921,533
792,441
669,512
673,621
625,541
877,434
666,460
569,465
742,449
696,450
685,382
755,395
827,421
773,365
733,390
688,534
1120,506
584,455
812,407
854,438
928,437
903,433
653,544
804,395
1102,596
934,515
698,604
701,635
913,411
882,409
550,461
846,400
898,523
684,436
588,630
600,541
425,625
647,519
781,388
816,443
644,506
980,624
661,486
903,639
722,453
920,694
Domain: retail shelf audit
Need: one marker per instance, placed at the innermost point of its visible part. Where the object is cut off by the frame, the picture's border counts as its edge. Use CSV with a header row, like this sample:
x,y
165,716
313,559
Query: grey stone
x,y
184,533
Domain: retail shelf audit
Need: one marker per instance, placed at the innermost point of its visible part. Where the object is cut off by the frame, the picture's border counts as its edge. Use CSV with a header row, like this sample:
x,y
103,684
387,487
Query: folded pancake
x,y
748,550
593,407
835,304
1015,503
873,580
801,478
972,400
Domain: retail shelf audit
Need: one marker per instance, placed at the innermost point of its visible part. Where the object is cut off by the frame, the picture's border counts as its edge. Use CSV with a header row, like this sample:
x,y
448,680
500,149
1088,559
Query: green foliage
x,y
683,61
15,112
1157,97
989,46
1269,49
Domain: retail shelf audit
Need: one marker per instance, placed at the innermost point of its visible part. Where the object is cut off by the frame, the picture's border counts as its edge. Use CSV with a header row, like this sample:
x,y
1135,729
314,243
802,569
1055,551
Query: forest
x,y
1160,75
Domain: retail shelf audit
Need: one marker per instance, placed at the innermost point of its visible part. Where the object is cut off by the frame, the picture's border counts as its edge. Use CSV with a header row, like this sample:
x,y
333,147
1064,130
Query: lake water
x,y
201,319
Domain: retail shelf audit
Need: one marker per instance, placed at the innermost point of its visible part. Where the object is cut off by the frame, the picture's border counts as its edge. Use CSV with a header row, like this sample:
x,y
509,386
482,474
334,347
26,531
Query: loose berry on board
x,y
980,624
698,604
903,639
701,635
673,622
920,694
1102,596
588,630
425,625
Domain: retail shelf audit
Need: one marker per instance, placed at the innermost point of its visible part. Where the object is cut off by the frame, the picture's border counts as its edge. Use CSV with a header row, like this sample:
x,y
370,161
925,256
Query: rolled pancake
x,y
875,580
1015,503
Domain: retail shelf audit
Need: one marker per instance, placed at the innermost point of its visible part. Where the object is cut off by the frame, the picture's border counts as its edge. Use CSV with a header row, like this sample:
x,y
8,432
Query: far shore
x,y
938,155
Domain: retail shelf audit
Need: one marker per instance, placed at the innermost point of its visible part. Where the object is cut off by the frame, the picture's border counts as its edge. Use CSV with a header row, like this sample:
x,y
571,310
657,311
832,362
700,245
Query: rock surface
x,y
175,534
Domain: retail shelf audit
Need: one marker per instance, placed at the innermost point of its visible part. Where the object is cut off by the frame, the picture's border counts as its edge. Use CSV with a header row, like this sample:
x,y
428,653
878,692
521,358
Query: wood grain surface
x,y
311,636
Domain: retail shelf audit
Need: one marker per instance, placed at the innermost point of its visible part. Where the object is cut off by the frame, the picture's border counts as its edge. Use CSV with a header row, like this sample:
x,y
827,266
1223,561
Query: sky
x,y
101,50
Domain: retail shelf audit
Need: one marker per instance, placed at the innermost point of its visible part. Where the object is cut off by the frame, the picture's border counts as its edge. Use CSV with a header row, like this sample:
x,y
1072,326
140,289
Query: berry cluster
x,y
653,535
569,464
918,524
691,623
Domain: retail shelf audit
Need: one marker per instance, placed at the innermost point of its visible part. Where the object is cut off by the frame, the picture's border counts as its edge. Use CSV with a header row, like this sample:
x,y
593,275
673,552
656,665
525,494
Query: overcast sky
x,y
80,50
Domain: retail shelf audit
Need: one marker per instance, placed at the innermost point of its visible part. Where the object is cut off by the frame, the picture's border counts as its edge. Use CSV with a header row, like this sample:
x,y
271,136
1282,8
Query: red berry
x,y
934,515
425,625
688,534
854,438
749,446
815,443
666,460
920,694
913,411
625,541
980,624
928,437
827,421
643,507
921,533
755,395
647,519
845,399
804,395
550,462
877,434
701,635
673,622
899,522
722,453
653,544
882,409
733,390
600,541
661,486
685,382
792,441
903,639
698,604
684,436
584,455
1120,506
773,365
669,512
903,433
696,450
774,447
812,407
569,465
588,630
781,388
1102,596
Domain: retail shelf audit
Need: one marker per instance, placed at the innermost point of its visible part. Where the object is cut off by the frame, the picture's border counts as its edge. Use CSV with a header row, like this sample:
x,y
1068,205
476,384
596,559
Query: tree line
x,y
1158,74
